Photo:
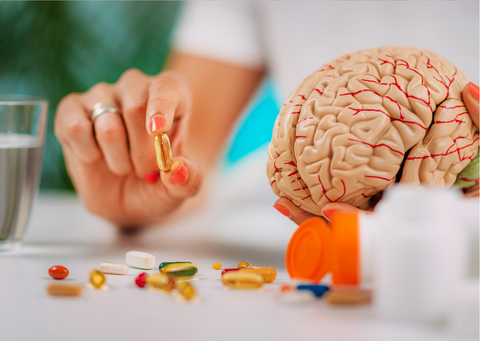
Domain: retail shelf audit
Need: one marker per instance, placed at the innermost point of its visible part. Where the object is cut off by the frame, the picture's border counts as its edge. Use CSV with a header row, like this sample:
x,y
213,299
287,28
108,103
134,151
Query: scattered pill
x,y
164,152
217,266
285,288
96,278
161,281
348,296
231,269
180,269
318,290
244,265
186,290
166,263
242,280
58,272
61,289
141,279
112,268
269,274
298,297
140,260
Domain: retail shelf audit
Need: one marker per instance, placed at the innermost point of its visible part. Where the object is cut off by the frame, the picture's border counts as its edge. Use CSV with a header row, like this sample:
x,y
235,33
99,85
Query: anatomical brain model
x,y
367,119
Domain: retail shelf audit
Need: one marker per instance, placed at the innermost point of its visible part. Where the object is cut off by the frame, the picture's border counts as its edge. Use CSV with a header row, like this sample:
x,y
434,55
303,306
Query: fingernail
x,y
329,213
282,210
157,124
180,176
151,178
473,89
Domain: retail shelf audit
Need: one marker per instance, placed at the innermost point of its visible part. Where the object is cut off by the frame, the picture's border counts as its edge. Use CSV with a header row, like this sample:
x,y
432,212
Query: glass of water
x,y
22,135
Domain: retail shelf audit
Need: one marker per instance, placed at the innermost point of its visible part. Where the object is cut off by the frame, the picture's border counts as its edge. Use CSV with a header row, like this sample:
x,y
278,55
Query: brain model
x,y
367,119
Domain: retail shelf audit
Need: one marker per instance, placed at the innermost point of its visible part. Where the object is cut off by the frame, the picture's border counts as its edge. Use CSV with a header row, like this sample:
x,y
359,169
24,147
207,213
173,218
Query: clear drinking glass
x,y
22,135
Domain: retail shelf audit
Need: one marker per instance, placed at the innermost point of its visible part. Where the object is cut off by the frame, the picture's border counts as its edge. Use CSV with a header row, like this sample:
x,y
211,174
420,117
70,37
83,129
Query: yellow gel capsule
x,y
180,270
96,278
161,281
164,152
186,290
217,266
269,274
244,265
242,280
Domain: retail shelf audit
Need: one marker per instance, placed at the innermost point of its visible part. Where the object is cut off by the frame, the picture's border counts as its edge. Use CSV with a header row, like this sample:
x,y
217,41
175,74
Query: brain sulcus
x,y
366,120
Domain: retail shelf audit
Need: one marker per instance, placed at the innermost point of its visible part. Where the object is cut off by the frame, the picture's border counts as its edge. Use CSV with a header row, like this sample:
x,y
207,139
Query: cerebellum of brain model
x,y
366,120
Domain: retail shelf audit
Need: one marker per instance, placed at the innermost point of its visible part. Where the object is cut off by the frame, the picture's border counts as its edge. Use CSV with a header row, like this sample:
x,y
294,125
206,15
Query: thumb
x,y
183,180
470,96
330,209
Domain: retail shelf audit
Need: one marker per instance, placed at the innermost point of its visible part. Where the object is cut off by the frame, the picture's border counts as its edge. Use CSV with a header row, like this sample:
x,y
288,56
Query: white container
x,y
420,255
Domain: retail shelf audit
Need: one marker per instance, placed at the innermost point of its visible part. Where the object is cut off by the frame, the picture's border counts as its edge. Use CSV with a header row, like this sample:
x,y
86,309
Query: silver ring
x,y
102,108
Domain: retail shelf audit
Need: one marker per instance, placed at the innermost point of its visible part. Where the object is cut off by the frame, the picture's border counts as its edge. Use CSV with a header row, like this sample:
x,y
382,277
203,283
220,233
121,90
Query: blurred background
x,y
51,49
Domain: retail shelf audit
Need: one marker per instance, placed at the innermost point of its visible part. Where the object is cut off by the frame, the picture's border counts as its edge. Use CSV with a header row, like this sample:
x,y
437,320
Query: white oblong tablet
x,y
140,260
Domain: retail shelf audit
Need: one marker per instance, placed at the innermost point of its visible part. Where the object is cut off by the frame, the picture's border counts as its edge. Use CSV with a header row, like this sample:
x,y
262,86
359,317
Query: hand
x,y
113,162
287,208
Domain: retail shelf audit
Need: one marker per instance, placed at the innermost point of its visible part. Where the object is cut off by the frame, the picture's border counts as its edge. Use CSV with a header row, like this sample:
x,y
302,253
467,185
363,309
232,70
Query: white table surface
x,y
62,232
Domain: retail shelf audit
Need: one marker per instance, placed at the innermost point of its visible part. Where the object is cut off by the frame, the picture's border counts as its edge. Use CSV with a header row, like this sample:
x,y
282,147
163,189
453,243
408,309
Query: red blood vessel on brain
x,y
345,132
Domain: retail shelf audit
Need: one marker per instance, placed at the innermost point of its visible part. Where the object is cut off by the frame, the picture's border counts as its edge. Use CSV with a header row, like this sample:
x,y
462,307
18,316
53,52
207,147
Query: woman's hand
x,y
112,161
287,208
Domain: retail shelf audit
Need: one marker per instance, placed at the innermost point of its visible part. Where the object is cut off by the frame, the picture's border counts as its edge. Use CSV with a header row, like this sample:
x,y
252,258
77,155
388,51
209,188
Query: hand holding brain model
x,y
367,120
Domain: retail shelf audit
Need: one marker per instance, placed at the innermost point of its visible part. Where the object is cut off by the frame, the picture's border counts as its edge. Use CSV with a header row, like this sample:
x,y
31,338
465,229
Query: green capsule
x,y
166,263
180,269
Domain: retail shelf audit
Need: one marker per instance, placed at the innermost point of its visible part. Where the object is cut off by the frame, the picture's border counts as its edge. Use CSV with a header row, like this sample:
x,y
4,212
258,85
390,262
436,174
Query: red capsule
x,y
141,280
58,272
231,269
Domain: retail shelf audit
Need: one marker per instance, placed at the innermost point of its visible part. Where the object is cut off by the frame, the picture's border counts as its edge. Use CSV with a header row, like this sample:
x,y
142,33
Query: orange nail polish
x,y
329,213
157,124
151,178
282,210
181,175
473,89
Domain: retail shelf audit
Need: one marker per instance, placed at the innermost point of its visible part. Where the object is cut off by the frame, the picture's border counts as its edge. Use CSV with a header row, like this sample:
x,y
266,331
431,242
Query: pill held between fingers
x,y
163,152
61,289
140,260
58,272
112,268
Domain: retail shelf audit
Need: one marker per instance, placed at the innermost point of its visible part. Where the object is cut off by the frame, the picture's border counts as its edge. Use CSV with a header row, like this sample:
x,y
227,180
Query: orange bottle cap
x,y
346,260
309,252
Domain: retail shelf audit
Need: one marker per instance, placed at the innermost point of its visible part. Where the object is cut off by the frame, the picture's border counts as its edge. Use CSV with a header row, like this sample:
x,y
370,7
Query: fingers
x,y
169,99
330,209
74,129
183,180
288,209
110,131
470,96
132,94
